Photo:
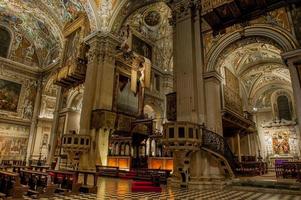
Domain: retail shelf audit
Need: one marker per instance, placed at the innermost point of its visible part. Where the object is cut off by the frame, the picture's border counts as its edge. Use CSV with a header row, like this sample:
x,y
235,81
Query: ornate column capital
x,y
182,9
213,75
102,47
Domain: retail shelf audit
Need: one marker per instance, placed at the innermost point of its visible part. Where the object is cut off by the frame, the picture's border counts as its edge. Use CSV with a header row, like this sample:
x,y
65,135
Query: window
x,y
157,82
284,111
181,132
190,132
171,132
4,42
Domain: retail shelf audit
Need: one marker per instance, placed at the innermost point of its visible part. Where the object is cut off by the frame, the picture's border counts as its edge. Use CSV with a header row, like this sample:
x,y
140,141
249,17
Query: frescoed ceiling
x,y
41,23
259,67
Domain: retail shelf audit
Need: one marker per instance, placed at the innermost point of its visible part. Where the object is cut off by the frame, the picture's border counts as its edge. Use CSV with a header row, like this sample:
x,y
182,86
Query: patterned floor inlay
x,y
121,190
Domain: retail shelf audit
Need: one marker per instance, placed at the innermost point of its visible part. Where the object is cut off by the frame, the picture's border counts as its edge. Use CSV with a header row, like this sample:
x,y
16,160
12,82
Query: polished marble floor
x,y
121,190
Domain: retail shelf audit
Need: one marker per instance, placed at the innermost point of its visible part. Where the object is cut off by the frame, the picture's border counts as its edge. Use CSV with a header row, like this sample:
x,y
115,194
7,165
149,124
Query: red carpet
x,y
143,186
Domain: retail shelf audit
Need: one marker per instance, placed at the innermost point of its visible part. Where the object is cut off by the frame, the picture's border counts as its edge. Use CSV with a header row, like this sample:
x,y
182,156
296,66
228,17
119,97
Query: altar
x,y
278,158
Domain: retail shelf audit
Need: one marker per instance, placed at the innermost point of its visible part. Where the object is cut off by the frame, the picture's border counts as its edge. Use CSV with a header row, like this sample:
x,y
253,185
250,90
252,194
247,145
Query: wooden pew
x,y
39,168
18,168
107,171
10,185
38,184
251,168
13,162
86,188
67,181
151,174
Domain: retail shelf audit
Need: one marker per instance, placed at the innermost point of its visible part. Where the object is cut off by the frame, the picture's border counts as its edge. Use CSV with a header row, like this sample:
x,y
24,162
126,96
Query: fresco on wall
x,y
9,95
281,143
13,141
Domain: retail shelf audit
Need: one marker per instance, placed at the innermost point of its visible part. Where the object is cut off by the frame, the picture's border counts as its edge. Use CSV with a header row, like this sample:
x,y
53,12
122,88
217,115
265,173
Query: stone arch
x,y
157,109
76,93
282,38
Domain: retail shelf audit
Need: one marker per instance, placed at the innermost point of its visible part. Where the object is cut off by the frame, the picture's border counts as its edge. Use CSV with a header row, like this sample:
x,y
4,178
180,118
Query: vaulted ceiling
x,y
259,67
38,24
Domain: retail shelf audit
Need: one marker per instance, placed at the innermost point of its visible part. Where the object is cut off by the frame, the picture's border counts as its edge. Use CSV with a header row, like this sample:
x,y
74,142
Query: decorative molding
x,y
19,67
182,9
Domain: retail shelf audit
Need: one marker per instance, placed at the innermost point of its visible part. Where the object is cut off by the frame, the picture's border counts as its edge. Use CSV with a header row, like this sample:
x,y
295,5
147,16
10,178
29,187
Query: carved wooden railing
x,y
218,144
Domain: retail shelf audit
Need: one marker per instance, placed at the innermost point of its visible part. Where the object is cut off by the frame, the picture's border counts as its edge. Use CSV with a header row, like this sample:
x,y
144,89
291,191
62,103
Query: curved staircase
x,y
217,146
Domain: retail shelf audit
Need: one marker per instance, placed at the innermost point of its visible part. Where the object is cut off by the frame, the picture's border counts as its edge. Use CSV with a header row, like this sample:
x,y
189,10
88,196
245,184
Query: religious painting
x,y
281,142
127,101
72,48
171,106
13,141
141,47
9,95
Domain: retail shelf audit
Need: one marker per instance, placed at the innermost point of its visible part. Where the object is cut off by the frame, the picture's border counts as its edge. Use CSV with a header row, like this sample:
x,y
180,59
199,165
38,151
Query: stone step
x,y
267,184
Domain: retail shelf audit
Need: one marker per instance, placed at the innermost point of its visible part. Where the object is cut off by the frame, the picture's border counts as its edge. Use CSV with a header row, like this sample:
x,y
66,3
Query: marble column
x,y
54,133
98,94
34,122
293,60
213,102
190,93
188,62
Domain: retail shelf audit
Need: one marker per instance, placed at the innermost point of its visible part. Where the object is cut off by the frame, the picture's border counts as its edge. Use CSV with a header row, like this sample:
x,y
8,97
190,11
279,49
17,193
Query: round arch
x,y
255,94
281,37
12,38
73,95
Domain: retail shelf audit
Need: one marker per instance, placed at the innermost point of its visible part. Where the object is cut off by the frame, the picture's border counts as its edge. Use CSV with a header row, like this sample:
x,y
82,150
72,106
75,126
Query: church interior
x,y
150,99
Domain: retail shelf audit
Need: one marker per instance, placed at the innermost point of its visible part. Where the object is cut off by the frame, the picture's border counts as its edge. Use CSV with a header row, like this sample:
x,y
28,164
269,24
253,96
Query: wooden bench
x,y
151,174
251,168
107,171
67,181
86,188
10,185
39,168
39,185
288,169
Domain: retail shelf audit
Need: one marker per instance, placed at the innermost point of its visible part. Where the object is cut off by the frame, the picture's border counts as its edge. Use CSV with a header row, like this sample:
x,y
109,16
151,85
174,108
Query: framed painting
x,y
171,106
141,47
9,95
72,48
281,143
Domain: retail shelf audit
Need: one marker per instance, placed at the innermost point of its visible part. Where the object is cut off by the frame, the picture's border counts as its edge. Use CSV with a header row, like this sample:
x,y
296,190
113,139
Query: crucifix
x,y
140,79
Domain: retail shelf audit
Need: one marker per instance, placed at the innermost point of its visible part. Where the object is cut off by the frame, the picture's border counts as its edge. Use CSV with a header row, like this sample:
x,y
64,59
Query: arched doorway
x,y
252,73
